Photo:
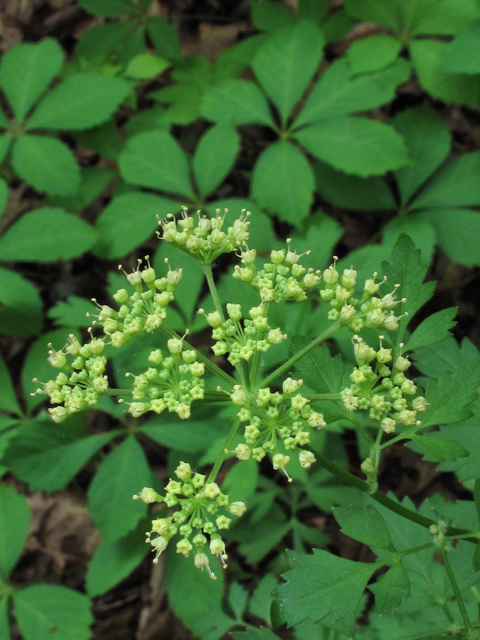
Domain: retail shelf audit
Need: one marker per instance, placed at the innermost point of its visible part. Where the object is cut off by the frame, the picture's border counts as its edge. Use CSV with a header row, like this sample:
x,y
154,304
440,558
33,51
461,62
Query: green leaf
x,y
47,164
449,394
5,144
405,268
386,14
262,633
94,180
428,143
47,456
236,102
165,39
440,448
365,525
433,329
434,360
108,8
337,93
234,59
314,10
4,122
215,156
147,120
237,599
146,66
352,192
427,57
128,221
47,235
241,481
8,398
155,159
183,436
271,16
114,561
72,312
191,593
3,195
40,609
104,140
446,17
102,43
372,53
26,70
319,231
5,618
393,586
476,558
319,371
121,475
287,62
81,101
14,523
420,231
283,182
261,600
476,495
323,588
463,54
360,146
21,305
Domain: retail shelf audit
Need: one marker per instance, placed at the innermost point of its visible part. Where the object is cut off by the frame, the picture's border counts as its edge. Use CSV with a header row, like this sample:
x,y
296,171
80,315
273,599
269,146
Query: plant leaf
x,y
215,156
47,164
72,312
420,231
287,62
319,371
283,182
236,102
81,101
271,16
128,221
262,633
8,398
94,181
26,70
114,561
121,475
365,525
146,66
21,305
360,146
440,448
41,608
108,8
372,53
457,233
188,437
14,523
433,329
385,14
463,55
165,39
390,590
47,235
323,588
155,159
5,144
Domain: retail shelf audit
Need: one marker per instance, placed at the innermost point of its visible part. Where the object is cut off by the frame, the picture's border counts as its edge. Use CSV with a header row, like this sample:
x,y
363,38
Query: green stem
x,y
117,392
202,358
323,396
223,453
299,355
207,271
383,499
456,590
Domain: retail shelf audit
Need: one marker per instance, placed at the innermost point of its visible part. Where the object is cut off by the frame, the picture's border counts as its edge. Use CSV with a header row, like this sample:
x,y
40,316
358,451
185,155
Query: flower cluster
x,y
82,380
206,240
242,341
283,278
201,510
144,310
172,383
286,415
369,311
380,390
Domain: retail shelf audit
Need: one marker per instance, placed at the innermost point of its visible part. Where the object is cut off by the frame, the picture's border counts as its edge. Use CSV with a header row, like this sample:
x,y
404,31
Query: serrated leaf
x,y
94,180
47,456
104,140
147,120
365,525
114,561
47,164
165,39
463,54
8,398
47,235
191,593
360,146
21,305
237,599
40,609
287,62
406,269
433,361
428,143
81,101
236,102
427,57
121,475
155,159
319,371
433,329
26,70
393,586
145,66
323,588
108,8
128,221
262,633
449,394
420,231
14,523
215,156
372,53
283,182
337,93
261,600
440,448
72,312
385,14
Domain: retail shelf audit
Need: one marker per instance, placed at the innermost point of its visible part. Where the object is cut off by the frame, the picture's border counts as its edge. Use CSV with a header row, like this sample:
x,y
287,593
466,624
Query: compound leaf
x,y
14,522
81,101
215,156
26,70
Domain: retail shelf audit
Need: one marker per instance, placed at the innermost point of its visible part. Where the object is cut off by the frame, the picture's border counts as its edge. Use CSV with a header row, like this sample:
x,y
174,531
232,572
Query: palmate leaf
x,y
323,588
14,521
